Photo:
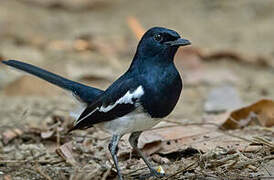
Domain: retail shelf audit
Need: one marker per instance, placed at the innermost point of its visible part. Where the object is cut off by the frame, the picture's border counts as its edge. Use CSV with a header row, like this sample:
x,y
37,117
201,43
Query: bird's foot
x,y
153,173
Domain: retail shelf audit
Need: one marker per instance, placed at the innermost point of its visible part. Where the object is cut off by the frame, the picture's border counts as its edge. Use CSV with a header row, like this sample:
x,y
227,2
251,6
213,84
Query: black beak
x,y
178,42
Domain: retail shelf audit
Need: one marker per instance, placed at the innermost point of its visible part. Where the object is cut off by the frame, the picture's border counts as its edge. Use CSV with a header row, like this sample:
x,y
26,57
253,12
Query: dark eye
x,y
158,37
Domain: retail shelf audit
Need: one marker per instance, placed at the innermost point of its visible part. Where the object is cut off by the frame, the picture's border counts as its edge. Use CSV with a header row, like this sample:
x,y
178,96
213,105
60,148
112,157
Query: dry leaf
x,y
239,57
7,177
1,58
65,151
261,112
81,45
136,27
58,45
173,139
11,134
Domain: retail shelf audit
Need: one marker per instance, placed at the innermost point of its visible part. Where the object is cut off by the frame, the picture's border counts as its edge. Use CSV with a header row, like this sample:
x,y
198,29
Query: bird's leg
x,y
113,148
133,140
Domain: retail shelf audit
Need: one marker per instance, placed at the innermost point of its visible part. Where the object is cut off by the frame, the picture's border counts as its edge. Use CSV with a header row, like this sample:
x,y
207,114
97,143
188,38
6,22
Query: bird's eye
x,y
158,37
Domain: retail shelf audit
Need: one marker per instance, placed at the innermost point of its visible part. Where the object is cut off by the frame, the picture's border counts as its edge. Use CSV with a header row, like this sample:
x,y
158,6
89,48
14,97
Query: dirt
x,y
47,35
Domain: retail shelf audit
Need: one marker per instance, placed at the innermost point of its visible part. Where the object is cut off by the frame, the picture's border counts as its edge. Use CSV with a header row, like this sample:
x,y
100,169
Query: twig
x,y
182,170
37,168
270,174
30,161
58,137
107,173
263,141
224,160
134,171
253,161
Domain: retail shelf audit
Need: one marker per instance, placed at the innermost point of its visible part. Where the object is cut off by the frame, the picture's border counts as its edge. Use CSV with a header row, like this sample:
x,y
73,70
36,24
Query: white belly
x,y
134,121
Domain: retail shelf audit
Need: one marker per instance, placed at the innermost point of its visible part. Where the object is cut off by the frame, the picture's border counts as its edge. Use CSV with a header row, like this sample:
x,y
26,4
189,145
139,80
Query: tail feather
x,y
85,93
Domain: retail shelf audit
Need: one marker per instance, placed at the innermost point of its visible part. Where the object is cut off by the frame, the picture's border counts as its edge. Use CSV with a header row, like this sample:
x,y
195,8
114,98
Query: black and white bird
x,y
145,93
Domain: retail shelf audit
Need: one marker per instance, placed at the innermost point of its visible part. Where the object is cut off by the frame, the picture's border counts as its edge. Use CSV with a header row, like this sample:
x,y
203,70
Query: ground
x,y
90,41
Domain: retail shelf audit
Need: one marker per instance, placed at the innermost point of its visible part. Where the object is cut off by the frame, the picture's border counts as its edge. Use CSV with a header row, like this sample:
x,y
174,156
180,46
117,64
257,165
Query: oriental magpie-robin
x,y
145,93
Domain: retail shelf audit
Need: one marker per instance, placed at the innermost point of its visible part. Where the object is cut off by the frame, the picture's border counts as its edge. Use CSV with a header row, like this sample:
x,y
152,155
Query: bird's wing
x,y
84,93
118,100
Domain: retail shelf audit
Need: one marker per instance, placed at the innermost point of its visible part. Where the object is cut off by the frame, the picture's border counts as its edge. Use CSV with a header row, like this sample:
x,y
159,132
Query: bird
x,y
146,93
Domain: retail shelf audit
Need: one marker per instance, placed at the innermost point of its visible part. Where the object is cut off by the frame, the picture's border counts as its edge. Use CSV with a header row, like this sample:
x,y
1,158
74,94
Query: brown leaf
x,y
1,58
136,27
238,57
177,138
58,45
7,177
65,151
82,45
11,134
261,112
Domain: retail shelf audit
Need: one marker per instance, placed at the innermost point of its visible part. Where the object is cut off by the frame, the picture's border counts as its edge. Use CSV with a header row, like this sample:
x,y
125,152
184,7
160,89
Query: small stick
x,y
31,161
107,173
37,168
182,170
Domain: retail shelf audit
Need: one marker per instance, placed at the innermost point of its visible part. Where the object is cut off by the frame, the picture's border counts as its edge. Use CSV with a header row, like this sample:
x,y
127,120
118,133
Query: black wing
x,y
118,100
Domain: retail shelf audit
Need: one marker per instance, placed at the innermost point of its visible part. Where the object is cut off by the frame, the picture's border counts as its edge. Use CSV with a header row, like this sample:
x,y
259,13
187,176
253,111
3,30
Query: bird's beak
x,y
179,42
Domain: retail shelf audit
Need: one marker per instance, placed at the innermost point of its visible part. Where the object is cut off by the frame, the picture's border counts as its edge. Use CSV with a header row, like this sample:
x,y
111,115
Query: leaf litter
x,y
185,150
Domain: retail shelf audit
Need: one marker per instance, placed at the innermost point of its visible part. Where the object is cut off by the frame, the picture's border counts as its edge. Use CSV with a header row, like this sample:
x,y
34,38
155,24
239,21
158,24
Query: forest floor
x,y
208,135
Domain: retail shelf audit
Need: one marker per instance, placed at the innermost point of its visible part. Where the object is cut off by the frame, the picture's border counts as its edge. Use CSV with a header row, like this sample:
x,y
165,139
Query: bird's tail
x,y
85,93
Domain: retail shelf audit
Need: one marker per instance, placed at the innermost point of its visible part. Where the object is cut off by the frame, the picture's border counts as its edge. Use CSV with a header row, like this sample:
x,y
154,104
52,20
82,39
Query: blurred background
x,y
229,65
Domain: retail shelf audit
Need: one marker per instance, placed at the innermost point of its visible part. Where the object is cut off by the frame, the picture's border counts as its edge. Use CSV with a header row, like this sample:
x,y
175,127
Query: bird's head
x,y
159,41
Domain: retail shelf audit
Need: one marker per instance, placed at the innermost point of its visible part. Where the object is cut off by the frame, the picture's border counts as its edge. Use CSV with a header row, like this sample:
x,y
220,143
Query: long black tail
x,y
85,93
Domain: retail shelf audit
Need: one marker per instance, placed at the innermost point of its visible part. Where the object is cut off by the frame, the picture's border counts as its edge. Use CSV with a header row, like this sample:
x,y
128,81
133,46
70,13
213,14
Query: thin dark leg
x,y
113,148
133,140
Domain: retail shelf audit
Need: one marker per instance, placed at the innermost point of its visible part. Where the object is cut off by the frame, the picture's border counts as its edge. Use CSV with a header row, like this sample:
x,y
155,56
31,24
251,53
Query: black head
x,y
159,41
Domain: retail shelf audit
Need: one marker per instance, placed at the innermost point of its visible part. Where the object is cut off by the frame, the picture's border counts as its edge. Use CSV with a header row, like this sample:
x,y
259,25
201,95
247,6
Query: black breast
x,y
162,92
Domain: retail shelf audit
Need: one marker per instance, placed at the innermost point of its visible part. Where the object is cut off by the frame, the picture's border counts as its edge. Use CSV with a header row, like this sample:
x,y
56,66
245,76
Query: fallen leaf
x,y
177,138
261,112
238,57
81,45
65,151
11,134
136,27
7,177
58,45
1,58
